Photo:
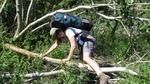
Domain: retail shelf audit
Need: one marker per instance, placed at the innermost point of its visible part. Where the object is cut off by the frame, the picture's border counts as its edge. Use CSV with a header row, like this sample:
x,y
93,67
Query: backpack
x,y
63,21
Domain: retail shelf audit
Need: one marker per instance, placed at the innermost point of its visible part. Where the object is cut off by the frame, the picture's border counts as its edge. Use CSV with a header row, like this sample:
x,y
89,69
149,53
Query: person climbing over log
x,y
83,39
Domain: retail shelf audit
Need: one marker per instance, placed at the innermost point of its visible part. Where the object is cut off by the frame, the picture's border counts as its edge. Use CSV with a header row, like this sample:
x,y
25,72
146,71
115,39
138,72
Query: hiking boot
x,y
104,79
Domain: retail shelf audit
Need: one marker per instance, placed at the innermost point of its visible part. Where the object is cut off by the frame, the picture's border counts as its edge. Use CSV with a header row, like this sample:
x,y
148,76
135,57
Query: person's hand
x,y
65,60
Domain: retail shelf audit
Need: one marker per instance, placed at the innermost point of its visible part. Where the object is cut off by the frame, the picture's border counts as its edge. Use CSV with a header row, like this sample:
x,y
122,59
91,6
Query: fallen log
x,y
59,61
36,74
32,54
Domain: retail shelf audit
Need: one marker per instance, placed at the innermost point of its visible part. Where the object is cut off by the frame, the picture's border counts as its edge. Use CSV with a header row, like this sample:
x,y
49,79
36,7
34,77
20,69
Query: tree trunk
x,y
19,16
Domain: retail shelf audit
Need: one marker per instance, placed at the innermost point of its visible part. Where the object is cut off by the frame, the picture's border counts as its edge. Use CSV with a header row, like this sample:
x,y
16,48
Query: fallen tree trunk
x,y
59,61
36,74
32,54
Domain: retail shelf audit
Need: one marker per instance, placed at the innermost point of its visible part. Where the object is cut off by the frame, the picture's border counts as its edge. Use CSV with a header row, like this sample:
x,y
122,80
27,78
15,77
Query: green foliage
x,y
113,44
72,75
143,77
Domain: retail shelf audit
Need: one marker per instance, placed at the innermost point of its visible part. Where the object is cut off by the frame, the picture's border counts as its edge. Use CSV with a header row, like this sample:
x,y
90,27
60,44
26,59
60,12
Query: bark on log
x,y
58,61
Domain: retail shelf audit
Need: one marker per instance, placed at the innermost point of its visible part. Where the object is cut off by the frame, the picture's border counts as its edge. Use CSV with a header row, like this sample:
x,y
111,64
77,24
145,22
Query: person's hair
x,y
56,35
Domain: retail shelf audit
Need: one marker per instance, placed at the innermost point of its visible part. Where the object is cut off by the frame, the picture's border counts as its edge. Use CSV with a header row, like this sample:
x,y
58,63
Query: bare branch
x,y
109,17
139,61
141,19
4,3
124,28
109,69
40,26
28,12
19,18
140,4
36,74
143,61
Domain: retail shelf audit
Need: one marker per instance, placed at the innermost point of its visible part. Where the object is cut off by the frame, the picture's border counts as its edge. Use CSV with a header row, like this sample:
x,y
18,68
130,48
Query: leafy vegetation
x,y
113,45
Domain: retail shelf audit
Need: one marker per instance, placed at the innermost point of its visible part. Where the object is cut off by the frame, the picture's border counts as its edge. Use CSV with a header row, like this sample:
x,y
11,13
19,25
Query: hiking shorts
x,y
87,48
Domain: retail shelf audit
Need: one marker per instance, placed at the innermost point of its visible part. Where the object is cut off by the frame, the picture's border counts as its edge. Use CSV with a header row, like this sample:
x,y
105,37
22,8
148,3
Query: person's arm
x,y
54,46
72,48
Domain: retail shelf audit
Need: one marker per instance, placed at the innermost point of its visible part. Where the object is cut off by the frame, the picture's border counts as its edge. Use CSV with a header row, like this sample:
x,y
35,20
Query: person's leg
x,y
87,48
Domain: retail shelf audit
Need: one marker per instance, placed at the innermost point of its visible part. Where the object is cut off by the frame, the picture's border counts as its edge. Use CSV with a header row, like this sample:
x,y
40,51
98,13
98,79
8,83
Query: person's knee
x,y
86,58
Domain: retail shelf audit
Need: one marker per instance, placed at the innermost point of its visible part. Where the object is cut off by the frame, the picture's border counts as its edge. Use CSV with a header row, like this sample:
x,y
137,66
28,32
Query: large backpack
x,y
62,20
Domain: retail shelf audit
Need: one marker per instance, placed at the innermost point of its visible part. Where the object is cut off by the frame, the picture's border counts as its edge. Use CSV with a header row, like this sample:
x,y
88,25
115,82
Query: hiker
x,y
84,40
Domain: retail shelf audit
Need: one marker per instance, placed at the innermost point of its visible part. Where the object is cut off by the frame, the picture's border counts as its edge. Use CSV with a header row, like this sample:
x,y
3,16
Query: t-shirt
x,y
71,32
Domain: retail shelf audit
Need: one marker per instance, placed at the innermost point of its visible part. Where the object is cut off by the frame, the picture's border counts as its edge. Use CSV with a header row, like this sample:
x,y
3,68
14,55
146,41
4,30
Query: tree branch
x,y
109,17
4,3
140,4
124,28
141,19
40,26
19,18
36,74
28,12
139,61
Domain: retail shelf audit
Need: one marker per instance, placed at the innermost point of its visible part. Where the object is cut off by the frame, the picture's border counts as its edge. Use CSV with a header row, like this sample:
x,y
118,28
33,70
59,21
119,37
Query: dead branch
x,y
140,4
58,61
28,12
139,61
141,19
28,80
109,69
32,54
36,74
127,31
19,17
109,17
47,23
3,5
